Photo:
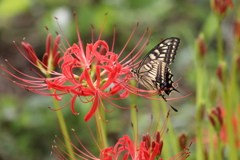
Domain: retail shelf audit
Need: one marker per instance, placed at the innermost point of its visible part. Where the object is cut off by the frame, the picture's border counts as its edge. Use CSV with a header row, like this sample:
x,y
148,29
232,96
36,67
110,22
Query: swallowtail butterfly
x,y
154,72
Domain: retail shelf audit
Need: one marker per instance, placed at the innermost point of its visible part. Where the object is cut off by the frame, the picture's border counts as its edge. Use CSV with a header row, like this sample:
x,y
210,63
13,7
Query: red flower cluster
x,y
236,129
221,6
150,148
92,74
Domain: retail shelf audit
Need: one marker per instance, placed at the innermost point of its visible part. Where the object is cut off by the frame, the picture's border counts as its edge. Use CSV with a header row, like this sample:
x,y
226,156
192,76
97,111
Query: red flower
x,y
221,6
202,48
235,123
236,30
93,73
150,148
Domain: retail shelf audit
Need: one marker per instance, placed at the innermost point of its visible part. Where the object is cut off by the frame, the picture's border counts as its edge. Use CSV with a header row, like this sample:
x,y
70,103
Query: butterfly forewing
x,y
164,51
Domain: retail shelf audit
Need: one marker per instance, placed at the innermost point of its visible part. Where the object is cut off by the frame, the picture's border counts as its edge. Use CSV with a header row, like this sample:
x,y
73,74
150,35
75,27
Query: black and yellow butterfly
x,y
153,72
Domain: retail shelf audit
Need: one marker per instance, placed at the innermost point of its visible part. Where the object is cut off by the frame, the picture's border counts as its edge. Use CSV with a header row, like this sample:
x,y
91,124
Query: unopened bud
x,y
182,140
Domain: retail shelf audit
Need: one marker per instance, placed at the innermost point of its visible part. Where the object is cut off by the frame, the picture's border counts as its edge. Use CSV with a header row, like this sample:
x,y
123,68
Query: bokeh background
x,y
28,126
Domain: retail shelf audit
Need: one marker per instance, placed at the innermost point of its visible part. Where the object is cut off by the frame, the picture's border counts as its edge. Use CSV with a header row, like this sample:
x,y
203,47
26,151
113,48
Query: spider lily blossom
x,y
92,73
149,148
220,7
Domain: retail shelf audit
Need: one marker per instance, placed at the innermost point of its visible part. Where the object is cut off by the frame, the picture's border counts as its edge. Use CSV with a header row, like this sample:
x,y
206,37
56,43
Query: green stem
x,y
219,41
199,103
101,127
62,124
219,148
228,105
171,135
63,127
134,117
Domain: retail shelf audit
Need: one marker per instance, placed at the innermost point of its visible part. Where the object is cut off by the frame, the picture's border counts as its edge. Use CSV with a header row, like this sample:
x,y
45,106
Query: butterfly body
x,y
153,72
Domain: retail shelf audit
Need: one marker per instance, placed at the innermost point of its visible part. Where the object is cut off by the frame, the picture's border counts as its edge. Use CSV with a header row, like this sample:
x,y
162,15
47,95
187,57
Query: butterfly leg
x,y
167,101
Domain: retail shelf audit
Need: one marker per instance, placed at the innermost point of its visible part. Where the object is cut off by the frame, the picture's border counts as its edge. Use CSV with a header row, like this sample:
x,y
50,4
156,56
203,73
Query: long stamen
x,y
104,21
130,37
59,26
92,33
138,43
114,37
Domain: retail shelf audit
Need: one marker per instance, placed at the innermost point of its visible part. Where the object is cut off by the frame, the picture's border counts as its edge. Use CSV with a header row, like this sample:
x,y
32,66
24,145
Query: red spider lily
x,y
221,6
235,123
50,57
92,74
236,30
150,148
147,150
202,48
217,118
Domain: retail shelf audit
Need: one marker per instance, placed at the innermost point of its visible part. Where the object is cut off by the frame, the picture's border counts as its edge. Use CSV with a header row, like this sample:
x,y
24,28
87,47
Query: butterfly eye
x,y
132,70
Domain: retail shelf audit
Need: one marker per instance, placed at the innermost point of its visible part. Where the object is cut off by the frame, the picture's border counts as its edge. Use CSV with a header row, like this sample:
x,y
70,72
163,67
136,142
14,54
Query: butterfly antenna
x,y
168,103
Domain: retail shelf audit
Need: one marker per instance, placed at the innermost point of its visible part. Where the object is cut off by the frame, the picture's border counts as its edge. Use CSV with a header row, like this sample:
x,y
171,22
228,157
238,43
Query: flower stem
x,y
200,75
226,94
134,120
62,123
101,127
199,103
63,127
219,42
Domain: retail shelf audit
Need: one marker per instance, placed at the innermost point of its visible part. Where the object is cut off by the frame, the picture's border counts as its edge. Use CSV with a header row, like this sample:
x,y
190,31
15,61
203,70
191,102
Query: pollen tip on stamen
x,y
5,60
168,113
14,42
56,32
92,26
137,24
190,144
131,124
106,13
74,13
56,18
115,25
167,130
73,130
46,28
147,28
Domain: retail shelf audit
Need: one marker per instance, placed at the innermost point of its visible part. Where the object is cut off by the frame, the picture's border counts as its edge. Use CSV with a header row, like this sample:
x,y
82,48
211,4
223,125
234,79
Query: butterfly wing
x,y
164,79
153,71
164,51
146,74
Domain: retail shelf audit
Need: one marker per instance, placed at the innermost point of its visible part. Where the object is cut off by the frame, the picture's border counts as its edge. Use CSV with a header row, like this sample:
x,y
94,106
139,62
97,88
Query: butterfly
x,y
153,71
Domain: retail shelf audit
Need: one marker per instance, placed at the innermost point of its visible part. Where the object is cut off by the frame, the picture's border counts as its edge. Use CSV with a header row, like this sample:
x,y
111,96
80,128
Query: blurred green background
x,y
28,126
